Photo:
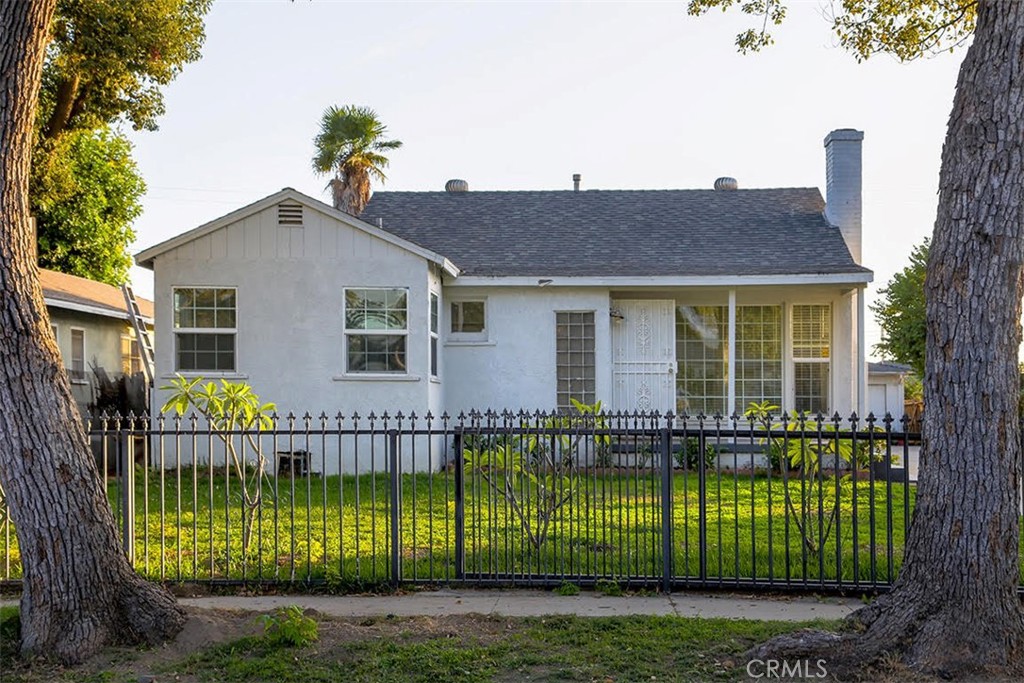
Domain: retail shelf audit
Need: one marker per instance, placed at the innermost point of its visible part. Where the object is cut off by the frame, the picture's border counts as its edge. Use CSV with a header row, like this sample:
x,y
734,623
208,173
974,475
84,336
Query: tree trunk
x,y
954,610
78,590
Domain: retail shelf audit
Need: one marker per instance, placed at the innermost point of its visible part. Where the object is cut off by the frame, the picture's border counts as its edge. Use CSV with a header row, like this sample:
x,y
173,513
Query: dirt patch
x,y
209,627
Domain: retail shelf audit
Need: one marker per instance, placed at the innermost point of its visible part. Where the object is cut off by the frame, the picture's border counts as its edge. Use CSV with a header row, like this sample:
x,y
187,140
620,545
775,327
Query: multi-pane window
x,y
434,327
205,327
574,358
77,354
812,352
758,355
131,356
468,319
376,329
702,355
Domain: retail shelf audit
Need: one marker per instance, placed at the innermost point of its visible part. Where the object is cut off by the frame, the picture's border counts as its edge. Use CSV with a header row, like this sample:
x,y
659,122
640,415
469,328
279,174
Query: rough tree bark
x,y
954,610
78,592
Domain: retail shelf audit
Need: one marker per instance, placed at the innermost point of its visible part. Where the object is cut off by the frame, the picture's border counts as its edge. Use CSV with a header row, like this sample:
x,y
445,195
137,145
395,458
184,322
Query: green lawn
x,y
338,529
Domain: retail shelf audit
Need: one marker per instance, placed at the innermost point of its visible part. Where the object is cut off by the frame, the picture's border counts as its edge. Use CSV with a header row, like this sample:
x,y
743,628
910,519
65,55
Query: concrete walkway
x,y
520,603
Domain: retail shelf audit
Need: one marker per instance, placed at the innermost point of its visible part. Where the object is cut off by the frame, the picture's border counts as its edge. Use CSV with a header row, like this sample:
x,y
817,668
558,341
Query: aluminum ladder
x,y
141,333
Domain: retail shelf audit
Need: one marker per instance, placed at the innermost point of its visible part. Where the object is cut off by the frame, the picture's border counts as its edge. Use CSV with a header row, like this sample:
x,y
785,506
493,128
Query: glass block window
x,y
376,329
702,356
205,320
812,352
434,327
758,355
574,358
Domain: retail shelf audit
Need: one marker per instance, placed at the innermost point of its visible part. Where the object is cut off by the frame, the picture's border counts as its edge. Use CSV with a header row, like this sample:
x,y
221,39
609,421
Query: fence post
x,y
126,460
460,511
666,509
396,507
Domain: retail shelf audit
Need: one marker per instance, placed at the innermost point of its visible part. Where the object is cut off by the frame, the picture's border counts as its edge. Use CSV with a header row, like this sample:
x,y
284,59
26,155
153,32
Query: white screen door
x,y
644,355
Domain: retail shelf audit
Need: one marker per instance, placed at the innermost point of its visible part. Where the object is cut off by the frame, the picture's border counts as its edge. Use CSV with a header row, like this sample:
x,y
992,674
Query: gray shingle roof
x,y
620,232
887,368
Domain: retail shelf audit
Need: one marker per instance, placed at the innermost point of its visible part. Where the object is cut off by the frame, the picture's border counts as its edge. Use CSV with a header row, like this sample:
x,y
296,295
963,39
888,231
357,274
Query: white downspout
x,y
862,360
730,407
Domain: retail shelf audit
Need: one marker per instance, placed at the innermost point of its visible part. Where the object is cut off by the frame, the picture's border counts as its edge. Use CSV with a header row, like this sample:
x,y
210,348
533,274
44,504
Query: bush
x,y
289,627
689,455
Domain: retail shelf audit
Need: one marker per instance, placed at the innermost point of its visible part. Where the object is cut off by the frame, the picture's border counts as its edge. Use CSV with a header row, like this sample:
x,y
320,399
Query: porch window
x,y
205,327
758,355
376,329
574,358
702,355
812,353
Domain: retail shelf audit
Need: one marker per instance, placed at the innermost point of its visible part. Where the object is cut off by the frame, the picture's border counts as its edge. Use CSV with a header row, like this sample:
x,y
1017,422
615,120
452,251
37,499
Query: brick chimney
x,y
843,185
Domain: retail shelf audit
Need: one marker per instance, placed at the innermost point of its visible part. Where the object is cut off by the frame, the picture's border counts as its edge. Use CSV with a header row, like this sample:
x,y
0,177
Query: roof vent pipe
x,y
726,184
576,182
456,185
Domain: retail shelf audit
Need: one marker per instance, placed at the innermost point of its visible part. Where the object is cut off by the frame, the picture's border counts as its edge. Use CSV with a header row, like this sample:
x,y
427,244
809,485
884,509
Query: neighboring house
x,y
93,329
885,391
672,300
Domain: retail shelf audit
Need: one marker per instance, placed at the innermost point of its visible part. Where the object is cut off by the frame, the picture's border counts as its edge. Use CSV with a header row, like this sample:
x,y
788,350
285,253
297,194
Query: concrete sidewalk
x,y
521,603
526,603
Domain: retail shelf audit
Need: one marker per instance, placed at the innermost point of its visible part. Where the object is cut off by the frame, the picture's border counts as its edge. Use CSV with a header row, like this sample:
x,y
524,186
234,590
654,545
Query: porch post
x,y
862,361
730,408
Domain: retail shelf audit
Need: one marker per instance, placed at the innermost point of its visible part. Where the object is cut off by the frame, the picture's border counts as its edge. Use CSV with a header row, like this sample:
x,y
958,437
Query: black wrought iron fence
x,y
534,499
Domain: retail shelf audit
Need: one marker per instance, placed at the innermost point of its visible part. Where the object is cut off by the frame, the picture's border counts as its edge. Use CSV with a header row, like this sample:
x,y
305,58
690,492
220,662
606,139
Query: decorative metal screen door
x,y
644,355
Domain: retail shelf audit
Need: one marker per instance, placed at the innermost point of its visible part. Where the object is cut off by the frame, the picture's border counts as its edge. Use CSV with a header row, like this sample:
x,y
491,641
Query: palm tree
x,y
349,145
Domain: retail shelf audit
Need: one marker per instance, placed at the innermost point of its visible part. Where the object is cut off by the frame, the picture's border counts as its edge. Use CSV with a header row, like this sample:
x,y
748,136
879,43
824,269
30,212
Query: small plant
x,y
690,455
609,588
289,627
567,589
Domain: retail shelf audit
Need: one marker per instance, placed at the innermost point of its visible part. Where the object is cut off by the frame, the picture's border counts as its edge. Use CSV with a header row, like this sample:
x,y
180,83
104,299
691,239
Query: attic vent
x,y
289,215
726,184
456,185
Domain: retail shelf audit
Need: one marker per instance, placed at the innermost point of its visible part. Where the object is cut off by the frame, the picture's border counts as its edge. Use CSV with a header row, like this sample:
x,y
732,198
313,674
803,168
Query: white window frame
x,y
471,337
795,360
434,327
347,333
175,331
72,370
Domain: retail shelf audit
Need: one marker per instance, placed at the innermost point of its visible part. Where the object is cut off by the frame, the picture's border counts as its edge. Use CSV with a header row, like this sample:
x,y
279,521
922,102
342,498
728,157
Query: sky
x,y
522,95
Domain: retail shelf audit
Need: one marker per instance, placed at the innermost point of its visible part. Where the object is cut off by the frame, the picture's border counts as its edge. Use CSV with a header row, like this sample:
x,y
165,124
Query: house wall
x,y
102,346
514,368
290,300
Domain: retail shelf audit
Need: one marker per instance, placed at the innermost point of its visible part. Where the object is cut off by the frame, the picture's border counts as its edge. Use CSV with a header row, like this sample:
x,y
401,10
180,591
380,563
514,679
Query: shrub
x,y
289,627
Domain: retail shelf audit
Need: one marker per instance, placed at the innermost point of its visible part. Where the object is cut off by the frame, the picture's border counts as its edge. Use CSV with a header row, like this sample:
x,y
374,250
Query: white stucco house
x,y
669,300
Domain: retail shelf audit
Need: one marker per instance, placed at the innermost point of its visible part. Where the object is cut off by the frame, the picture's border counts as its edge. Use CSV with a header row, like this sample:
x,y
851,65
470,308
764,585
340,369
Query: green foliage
x,y
10,633
350,145
535,472
913,390
236,415
85,190
108,60
567,589
690,455
900,312
609,588
906,29
289,627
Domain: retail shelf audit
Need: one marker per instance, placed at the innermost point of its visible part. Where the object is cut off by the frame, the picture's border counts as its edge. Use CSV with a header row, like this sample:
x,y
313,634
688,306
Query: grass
x,y
188,526
466,649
